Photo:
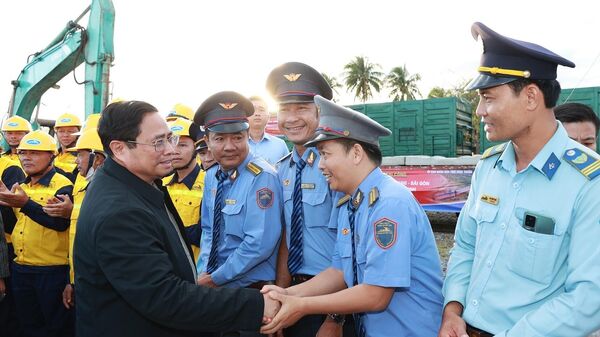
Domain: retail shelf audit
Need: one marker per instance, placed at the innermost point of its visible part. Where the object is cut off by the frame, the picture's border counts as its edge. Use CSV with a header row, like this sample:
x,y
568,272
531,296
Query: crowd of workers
x,y
335,246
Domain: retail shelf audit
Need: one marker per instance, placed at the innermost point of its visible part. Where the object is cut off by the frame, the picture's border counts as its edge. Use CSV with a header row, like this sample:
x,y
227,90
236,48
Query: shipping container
x,y
433,127
588,96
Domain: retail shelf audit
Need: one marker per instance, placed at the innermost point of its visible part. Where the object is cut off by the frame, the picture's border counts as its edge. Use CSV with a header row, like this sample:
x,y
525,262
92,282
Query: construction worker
x,y
186,185
40,269
90,157
13,130
65,127
10,174
180,111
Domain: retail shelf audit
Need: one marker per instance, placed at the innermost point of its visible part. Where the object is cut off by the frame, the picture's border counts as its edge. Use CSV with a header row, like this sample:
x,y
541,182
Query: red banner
x,y
436,188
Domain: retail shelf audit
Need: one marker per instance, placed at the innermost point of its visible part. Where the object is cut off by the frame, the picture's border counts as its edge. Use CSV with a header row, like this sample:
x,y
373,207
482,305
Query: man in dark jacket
x,y
135,273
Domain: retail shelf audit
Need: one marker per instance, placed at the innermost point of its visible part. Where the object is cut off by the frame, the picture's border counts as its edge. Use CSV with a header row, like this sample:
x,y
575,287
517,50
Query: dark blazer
x,y
134,276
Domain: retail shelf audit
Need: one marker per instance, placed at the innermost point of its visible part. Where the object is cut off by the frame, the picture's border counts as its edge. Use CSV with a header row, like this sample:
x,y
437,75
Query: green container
x,y
588,96
433,127
383,114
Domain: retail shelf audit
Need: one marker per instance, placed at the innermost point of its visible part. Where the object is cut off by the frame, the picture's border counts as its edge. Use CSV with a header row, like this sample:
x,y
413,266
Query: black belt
x,y
300,278
474,332
260,284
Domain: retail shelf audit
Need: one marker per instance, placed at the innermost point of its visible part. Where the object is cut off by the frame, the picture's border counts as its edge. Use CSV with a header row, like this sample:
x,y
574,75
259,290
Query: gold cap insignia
x,y
292,77
228,106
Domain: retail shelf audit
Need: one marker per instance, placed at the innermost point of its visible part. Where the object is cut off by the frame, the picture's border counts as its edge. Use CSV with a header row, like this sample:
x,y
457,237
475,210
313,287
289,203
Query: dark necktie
x,y
360,330
213,264
295,258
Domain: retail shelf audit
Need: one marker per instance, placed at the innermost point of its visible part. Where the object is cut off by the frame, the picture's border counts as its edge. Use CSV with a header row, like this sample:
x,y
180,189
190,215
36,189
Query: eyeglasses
x,y
160,144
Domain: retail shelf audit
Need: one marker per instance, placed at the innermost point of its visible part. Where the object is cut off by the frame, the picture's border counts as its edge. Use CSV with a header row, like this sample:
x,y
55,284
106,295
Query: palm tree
x,y
403,85
333,82
438,92
363,77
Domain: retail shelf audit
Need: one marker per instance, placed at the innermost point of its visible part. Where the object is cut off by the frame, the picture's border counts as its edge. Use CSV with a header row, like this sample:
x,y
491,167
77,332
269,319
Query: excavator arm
x,y
73,46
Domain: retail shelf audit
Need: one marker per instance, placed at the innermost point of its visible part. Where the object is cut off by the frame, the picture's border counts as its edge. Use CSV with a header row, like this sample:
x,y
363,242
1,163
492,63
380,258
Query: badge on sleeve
x,y
385,232
264,198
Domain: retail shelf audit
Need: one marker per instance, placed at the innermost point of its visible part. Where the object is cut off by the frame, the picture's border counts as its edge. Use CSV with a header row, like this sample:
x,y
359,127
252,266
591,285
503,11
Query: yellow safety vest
x,y
78,195
66,161
13,157
6,162
34,244
187,202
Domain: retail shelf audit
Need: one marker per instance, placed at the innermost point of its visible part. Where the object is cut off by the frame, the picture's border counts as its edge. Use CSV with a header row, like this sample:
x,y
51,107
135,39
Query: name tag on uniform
x,y
229,201
490,199
308,186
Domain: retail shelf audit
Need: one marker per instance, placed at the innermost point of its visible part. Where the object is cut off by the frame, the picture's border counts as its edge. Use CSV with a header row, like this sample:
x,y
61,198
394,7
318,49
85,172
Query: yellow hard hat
x,y
91,123
180,127
67,120
16,123
183,127
89,140
180,111
38,140
116,100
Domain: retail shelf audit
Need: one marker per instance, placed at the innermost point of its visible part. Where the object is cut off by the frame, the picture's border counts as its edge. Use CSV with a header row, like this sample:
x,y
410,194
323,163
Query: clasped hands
x,y
281,309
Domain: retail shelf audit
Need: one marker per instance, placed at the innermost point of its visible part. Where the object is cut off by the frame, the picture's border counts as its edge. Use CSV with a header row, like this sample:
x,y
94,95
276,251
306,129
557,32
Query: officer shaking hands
x,y
523,263
385,269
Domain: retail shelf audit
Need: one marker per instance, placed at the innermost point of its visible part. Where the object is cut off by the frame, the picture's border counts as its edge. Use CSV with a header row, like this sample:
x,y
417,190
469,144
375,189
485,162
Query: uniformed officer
x,y
66,127
186,185
90,157
308,202
524,261
13,130
241,210
269,147
40,269
386,267
207,160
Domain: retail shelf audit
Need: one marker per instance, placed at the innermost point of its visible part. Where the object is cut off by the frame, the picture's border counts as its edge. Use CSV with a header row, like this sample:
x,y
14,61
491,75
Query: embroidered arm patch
x,y
385,232
264,198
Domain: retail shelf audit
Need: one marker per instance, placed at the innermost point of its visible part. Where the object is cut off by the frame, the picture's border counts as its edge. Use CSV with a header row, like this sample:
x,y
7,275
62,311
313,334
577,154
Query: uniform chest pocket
x,y
233,221
346,253
535,256
483,212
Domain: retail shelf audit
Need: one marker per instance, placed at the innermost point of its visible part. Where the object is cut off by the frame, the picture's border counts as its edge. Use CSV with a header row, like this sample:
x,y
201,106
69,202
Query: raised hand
x,y
60,206
15,197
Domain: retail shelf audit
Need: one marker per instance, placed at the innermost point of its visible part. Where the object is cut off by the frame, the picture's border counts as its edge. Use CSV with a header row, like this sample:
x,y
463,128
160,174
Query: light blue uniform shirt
x,y
395,248
319,229
252,225
270,148
516,282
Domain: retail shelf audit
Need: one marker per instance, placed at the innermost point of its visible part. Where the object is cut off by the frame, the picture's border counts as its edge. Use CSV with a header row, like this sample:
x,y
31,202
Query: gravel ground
x,y
443,227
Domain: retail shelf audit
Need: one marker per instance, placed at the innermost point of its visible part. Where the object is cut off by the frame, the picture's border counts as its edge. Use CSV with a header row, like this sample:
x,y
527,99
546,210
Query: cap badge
x,y
292,77
228,106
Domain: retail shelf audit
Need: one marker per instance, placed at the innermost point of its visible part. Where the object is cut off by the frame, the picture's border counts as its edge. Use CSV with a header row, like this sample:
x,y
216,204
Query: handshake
x,y
282,309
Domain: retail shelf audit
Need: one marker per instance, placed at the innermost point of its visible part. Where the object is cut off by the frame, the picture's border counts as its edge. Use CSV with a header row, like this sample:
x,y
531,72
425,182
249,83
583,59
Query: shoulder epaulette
x,y
494,150
343,200
586,164
284,158
373,196
255,169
